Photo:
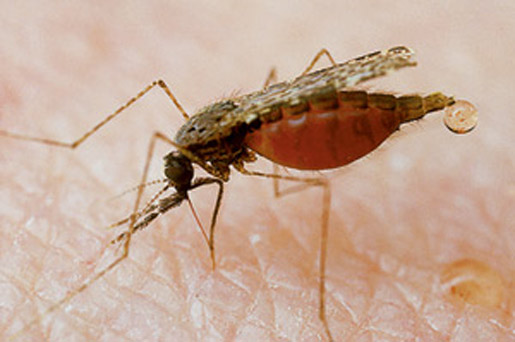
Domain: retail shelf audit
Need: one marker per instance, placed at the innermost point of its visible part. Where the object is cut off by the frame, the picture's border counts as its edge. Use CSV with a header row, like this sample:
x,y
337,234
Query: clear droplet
x,y
461,117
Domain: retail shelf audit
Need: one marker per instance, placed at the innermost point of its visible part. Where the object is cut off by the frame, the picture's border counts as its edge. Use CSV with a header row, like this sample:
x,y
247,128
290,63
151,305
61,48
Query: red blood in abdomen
x,y
324,139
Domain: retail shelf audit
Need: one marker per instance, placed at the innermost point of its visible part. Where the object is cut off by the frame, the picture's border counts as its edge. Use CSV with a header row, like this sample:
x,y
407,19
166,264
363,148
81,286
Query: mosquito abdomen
x,y
335,128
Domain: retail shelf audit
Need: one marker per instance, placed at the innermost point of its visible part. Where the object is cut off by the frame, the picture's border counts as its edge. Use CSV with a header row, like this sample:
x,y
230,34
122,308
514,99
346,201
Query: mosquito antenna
x,y
141,212
198,220
144,185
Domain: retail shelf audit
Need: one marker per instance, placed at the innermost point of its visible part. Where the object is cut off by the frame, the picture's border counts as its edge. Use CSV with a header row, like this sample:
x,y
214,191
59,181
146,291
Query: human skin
x,y
426,199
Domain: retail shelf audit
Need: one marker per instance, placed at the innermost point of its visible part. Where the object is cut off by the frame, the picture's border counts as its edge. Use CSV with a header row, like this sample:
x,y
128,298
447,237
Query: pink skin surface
x,y
426,199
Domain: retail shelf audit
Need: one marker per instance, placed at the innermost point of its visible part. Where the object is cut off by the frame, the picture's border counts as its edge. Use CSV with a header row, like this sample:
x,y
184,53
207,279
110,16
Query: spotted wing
x,y
219,120
343,75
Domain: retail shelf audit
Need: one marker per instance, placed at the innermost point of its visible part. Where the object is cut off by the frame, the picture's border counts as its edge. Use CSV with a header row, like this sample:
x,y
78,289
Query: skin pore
x,y
399,217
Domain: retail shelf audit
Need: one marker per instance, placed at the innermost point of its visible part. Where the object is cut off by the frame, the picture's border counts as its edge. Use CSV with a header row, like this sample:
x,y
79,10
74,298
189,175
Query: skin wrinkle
x,y
60,93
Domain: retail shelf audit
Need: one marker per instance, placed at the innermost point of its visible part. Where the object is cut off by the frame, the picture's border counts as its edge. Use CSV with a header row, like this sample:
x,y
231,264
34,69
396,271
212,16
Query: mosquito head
x,y
178,170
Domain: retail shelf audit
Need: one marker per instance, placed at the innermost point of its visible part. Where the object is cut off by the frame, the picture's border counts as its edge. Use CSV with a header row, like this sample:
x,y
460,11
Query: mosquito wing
x,y
219,120
340,76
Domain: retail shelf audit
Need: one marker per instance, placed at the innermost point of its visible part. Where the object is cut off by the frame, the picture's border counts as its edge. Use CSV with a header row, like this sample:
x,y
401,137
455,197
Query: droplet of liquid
x,y
461,117
473,282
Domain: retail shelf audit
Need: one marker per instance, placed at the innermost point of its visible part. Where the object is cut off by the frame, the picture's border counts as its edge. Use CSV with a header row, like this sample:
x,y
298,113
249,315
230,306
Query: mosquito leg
x,y
326,205
272,75
152,211
150,152
322,52
278,192
211,240
147,210
74,144
126,242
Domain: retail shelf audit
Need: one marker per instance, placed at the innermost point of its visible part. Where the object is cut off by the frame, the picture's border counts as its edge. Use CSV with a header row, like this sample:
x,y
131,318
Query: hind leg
x,y
324,228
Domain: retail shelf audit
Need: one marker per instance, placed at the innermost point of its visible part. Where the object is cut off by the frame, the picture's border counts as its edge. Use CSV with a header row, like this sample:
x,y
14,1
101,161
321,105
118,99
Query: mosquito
x,y
313,122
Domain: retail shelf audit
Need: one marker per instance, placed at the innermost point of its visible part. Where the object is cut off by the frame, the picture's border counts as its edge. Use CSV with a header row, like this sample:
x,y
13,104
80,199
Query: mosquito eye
x,y
178,169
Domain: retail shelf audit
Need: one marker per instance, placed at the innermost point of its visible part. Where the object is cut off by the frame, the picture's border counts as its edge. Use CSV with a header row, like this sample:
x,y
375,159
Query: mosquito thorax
x,y
178,170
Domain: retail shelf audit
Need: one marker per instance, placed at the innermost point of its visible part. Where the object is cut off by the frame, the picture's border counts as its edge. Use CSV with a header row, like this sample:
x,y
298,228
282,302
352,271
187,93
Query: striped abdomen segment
x,y
336,128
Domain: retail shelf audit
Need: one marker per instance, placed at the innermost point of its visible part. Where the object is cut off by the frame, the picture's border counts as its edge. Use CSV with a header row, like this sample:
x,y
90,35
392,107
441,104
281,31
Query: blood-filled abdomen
x,y
338,128
325,139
